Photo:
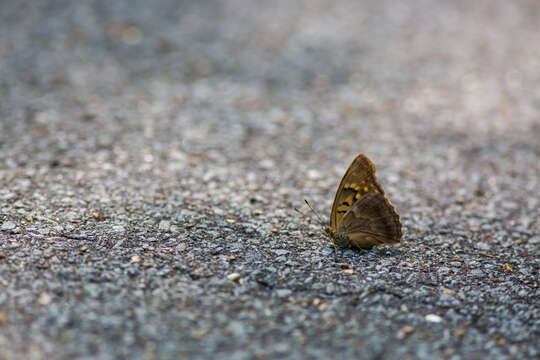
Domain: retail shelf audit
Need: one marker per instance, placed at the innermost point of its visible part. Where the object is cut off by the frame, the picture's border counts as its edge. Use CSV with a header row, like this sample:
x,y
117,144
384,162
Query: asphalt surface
x,y
152,152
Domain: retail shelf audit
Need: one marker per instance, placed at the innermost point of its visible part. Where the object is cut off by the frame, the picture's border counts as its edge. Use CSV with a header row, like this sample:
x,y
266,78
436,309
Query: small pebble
x,y
44,299
433,318
234,276
404,332
164,225
8,225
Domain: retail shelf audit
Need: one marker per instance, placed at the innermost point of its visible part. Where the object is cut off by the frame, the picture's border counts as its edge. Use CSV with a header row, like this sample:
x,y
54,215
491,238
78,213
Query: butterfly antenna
x,y
316,213
320,222
300,212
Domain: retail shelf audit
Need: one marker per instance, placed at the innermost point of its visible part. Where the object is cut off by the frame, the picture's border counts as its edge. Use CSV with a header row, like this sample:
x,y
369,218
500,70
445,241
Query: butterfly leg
x,y
335,246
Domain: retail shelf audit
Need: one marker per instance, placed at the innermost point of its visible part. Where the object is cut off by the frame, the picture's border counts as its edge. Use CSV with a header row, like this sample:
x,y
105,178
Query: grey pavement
x,y
151,154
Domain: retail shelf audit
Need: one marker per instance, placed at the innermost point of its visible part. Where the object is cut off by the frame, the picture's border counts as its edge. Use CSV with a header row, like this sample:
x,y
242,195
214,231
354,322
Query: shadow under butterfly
x,y
362,217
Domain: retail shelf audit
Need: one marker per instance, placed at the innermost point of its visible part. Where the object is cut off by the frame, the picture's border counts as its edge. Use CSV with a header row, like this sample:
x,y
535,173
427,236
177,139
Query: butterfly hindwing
x,y
371,221
358,181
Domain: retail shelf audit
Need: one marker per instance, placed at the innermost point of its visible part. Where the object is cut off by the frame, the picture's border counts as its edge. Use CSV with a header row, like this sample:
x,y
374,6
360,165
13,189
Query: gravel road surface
x,y
151,154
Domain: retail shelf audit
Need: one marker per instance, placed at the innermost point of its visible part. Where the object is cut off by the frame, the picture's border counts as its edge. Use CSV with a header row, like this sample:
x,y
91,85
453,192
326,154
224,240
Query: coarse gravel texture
x,y
152,152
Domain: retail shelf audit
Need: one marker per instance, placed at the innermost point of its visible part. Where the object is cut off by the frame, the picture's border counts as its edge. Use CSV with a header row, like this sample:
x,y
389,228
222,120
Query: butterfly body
x,y
362,216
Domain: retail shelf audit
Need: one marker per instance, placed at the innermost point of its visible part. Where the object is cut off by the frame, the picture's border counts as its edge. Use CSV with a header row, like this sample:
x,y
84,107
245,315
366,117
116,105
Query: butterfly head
x,y
327,231
338,239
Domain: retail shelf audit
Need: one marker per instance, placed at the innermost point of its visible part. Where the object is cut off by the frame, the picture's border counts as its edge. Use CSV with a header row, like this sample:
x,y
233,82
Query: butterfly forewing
x,y
358,181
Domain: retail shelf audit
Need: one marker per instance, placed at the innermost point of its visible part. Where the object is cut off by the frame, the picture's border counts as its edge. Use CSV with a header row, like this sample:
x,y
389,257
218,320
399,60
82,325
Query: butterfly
x,y
362,217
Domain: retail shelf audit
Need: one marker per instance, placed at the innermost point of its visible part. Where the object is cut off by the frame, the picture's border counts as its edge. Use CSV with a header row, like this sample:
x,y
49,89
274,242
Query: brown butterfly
x,y
362,216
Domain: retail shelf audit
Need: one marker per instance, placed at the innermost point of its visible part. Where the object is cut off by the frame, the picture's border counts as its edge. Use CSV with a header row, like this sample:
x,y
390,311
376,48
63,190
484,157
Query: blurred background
x,y
191,94
292,88
455,64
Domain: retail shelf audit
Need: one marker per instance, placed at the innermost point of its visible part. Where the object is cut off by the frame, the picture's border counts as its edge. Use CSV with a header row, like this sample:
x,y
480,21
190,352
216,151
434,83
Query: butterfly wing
x,y
371,221
358,181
